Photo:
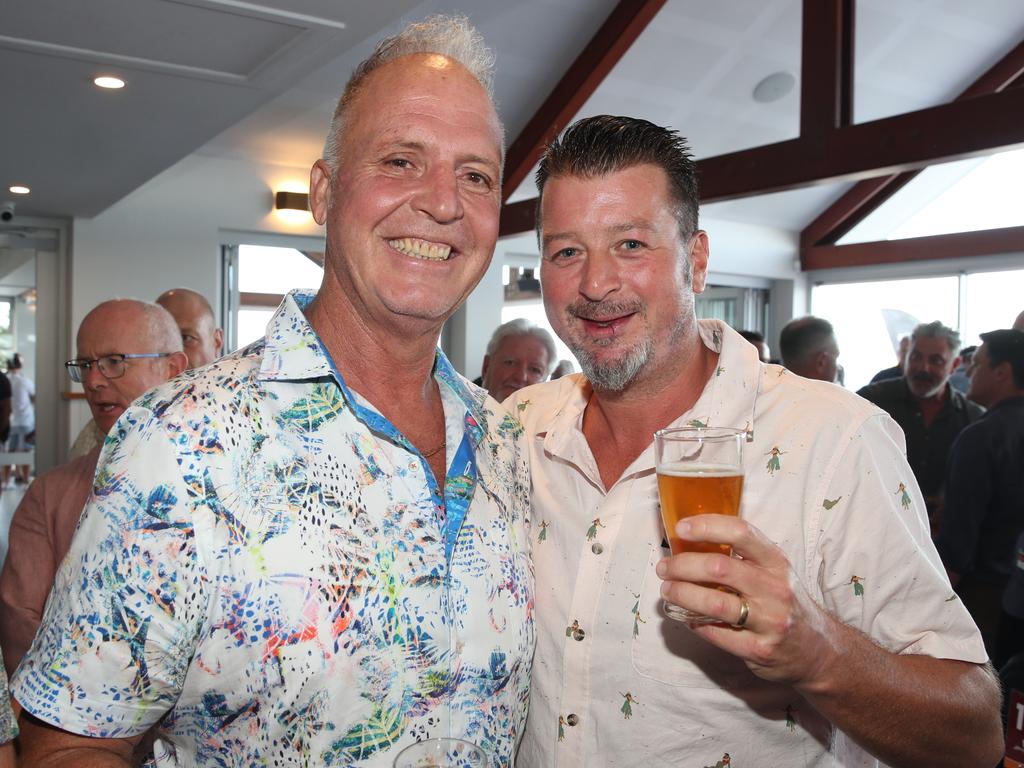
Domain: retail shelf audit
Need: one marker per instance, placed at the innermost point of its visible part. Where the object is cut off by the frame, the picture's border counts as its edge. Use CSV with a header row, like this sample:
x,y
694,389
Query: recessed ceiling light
x,y
109,82
19,189
774,87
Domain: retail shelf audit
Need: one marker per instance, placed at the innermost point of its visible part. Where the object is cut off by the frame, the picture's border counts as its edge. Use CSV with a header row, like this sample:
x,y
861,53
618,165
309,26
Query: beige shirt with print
x,y
617,683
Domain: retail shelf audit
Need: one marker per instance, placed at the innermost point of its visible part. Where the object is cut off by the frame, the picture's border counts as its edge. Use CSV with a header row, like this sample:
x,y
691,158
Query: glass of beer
x,y
700,471
442,753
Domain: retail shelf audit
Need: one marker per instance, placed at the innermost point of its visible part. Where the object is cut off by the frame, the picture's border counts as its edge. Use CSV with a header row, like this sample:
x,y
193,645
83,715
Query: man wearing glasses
x,y
125,347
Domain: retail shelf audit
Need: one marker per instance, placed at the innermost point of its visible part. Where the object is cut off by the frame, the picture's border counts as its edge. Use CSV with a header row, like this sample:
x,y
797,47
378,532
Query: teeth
x,y
421,249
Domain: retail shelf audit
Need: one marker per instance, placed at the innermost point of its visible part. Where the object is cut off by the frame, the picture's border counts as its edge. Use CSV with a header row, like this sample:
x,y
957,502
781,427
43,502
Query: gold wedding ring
x,y
744,613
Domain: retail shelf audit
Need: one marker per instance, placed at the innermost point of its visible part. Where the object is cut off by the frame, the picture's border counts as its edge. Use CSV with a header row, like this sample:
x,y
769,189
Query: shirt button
x,y
572,719
579,634
596,548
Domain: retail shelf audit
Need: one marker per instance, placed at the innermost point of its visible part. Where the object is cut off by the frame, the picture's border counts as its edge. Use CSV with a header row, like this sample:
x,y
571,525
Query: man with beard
x,y
843,642
930,412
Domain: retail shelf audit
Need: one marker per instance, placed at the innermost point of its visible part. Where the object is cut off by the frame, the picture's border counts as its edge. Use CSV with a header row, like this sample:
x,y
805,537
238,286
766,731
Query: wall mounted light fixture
x,y
291,201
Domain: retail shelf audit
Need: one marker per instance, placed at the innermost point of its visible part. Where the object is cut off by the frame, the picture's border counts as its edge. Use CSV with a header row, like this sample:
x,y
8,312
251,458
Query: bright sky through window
x,y
988,197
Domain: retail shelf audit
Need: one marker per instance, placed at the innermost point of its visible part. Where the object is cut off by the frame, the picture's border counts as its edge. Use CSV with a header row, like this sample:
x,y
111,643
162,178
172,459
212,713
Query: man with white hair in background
x,y
927,408
124,347
314,551
519,354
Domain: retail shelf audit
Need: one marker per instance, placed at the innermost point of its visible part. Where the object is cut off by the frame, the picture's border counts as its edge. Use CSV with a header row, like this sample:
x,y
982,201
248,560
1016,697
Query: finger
x,y
719,604
706,567
746,539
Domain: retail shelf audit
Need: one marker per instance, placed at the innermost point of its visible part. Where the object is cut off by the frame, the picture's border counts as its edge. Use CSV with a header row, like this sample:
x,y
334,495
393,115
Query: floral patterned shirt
x,y
618,683
268,568
8,727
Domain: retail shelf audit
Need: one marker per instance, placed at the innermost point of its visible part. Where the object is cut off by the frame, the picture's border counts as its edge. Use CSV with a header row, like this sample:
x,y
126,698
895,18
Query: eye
x,y
478,179
564,253
398,162
632,245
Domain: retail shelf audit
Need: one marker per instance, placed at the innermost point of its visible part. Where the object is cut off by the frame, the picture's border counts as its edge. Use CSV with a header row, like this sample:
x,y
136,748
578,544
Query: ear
x,y
700,252
218,340
320,190
176,363
956,362
484,365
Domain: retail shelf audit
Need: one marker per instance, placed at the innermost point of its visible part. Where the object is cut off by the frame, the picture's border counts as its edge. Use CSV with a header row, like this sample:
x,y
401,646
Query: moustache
x,y
602,310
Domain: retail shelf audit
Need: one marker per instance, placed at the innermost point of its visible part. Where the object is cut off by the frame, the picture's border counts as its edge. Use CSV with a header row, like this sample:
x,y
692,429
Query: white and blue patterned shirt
x,y
269,566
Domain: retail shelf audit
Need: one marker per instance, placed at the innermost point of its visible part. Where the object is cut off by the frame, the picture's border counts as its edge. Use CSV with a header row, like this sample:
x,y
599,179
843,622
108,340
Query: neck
x,y
619,426
384,364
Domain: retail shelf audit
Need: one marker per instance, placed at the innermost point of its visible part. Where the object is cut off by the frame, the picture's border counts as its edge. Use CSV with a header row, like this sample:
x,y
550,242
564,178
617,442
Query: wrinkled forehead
x,y
928,346
113,331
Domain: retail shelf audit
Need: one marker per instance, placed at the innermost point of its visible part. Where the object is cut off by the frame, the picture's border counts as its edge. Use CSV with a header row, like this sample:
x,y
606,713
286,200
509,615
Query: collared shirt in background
x,y
269,562
616,682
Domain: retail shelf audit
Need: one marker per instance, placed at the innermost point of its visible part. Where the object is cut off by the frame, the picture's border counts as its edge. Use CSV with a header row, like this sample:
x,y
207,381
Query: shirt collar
x,y
728,400
292,351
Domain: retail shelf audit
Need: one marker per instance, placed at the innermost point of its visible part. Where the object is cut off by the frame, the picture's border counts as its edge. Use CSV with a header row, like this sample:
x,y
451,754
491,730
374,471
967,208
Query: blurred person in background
x,y
930,412
202,339
984,495
757,339
895,371
519,354
23,419
809,348
960,379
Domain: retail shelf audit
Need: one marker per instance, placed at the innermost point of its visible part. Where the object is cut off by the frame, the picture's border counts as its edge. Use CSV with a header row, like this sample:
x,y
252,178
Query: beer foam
x,y
699,470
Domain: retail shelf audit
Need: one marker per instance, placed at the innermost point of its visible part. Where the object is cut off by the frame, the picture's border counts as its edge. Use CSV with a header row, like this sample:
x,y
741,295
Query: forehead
x,y
525,345
637,194
420,94
931,345
121,329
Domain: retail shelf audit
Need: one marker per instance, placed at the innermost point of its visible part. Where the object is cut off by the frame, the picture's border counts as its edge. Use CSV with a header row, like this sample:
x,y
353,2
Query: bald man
x,y
125,347
203,341
1018,324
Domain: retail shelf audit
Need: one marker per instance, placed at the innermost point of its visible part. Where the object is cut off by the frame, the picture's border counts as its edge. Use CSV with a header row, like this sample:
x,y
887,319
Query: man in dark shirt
x,y
928,409
984,511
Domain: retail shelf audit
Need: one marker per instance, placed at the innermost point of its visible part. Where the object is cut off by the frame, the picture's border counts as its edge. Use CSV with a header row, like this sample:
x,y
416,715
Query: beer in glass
x,y
700,472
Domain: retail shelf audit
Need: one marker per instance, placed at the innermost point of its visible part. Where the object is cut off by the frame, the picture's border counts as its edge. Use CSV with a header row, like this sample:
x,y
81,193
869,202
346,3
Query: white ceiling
x,y
258,81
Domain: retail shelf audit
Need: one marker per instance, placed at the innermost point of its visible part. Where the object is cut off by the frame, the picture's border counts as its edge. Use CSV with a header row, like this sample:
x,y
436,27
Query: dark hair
x,y
803,337
1006,346
752,335
597,146
14,363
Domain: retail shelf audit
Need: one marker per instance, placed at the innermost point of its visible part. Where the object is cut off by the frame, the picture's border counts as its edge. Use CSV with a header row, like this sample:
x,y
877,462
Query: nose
x,y
438,196
600,276
92,379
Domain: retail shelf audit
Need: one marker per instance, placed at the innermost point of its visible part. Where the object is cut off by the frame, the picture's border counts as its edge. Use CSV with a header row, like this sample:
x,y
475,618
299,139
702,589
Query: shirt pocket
x,y
666,651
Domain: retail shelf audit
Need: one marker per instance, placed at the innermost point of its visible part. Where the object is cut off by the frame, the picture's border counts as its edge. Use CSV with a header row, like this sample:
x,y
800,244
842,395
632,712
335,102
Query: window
x,y
257,278
870,317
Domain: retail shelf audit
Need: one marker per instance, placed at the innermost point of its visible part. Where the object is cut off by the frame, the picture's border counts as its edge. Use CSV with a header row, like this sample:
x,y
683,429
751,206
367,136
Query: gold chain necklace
x,y
428,454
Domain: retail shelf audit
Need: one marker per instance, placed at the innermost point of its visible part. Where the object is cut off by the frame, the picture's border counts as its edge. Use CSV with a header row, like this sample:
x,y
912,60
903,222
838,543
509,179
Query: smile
x,y
421,249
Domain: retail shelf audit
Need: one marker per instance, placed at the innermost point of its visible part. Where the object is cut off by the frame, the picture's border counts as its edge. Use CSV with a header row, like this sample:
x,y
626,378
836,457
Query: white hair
x,y
450,36
523,327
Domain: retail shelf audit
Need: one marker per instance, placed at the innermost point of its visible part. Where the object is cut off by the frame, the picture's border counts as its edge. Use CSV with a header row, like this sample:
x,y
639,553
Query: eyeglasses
x,y
111,366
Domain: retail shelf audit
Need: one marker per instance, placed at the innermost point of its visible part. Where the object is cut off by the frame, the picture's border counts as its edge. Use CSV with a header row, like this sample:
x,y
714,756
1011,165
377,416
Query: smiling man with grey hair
x,y
314,550
519,354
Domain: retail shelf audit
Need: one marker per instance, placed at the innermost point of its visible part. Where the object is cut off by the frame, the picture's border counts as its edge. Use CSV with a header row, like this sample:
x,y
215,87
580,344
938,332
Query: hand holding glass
x,y
700,471
442,753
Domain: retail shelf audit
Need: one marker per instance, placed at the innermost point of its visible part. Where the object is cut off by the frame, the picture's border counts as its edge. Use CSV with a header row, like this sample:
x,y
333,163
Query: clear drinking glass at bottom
x,y
442,753
700,471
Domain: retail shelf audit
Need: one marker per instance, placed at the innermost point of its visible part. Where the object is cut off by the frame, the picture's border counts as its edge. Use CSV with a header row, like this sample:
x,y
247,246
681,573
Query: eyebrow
x,y
417,146
614,228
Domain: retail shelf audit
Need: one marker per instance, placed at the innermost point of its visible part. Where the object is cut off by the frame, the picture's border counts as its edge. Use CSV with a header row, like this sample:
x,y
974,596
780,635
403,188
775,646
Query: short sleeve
x,y
878,569
119,629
